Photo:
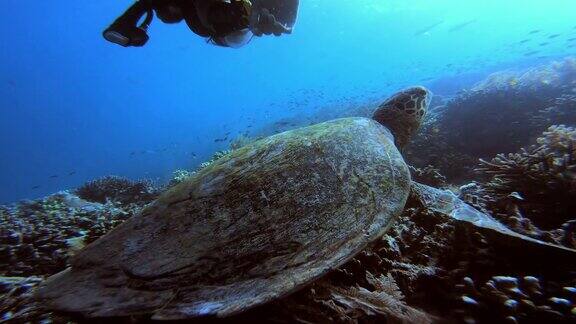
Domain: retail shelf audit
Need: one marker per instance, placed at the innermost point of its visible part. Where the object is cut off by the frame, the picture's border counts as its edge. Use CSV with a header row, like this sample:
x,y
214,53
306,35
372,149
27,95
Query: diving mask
x,y
234,39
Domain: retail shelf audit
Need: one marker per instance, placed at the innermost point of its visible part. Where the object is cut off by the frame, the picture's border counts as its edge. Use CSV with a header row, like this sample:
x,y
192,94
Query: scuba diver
x,y
228,23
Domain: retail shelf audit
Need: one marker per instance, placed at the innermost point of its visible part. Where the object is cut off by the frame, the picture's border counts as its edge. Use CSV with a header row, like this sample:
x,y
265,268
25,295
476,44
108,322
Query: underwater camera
x,y
125,30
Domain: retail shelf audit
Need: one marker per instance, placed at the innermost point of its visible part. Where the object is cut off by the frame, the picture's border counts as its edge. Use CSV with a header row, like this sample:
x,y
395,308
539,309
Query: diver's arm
x,y
273,16
285,11
267,25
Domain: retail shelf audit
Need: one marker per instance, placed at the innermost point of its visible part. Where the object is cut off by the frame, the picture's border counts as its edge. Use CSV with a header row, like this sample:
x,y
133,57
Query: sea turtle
x,y
256,225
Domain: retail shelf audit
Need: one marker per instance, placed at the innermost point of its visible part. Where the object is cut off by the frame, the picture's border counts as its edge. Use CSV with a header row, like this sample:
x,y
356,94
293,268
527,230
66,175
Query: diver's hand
x,y
267,25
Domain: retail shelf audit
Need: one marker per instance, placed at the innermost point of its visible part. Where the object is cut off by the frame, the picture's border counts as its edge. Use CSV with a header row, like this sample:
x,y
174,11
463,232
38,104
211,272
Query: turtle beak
x,y
428,96
422,92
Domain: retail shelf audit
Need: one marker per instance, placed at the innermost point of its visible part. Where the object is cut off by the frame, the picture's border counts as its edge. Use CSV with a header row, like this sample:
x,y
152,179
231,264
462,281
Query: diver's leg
x,y
125,30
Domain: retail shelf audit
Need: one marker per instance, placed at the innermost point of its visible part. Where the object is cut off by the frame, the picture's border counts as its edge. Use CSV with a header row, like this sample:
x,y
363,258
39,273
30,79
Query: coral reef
x,y
513,299
428,267
513,105
414,274
474,194
117,190
534,191
371,299
555,74
37,237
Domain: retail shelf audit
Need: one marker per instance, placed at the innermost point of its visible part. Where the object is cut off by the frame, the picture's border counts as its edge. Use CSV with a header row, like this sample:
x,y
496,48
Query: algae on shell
x,y
256,225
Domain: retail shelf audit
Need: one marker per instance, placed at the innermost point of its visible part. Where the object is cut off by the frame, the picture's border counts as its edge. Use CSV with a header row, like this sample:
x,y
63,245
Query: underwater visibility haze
x,y
72,102
386,160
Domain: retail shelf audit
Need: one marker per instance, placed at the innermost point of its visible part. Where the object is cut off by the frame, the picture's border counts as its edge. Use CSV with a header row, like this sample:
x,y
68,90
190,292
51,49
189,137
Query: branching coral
x,y
384,299
536,186
117,190
372,298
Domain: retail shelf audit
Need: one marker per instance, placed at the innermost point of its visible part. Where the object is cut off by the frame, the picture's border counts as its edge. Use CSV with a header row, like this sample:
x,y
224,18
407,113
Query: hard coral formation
x,y
533,191
117,190
555,74
512,105
37,237
413,274
513,299
366,299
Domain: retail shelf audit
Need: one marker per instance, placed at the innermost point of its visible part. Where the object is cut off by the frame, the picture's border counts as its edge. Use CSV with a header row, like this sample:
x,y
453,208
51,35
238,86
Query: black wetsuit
x,y
206,18
285,12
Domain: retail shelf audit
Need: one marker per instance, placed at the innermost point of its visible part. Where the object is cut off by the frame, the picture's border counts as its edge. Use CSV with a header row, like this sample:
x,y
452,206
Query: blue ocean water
x,y
74,107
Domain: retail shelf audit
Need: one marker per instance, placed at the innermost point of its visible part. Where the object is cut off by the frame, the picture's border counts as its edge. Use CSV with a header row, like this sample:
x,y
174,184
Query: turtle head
x,y
403,113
